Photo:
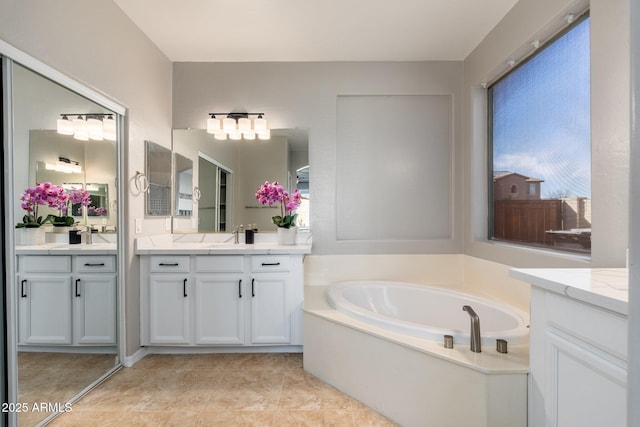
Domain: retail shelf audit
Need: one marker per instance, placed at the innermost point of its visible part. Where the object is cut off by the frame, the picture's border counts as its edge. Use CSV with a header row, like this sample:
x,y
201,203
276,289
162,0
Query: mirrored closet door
x,y
63,255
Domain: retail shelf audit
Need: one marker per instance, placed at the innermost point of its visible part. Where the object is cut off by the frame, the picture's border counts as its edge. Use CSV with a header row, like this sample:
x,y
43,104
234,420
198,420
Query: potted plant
x,y
269,194
64,204
43,194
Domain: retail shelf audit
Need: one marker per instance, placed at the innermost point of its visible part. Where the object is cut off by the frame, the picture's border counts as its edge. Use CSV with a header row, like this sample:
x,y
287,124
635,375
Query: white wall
x,y
304,95
93,42
534,19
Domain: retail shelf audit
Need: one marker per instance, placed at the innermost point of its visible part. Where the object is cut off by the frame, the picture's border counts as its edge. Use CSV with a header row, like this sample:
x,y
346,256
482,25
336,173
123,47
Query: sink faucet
x,y
475,329
88,236
236,235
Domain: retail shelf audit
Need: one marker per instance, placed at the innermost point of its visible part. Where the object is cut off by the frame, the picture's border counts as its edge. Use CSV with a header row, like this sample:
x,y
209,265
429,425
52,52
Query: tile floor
x,y
55,377
218,390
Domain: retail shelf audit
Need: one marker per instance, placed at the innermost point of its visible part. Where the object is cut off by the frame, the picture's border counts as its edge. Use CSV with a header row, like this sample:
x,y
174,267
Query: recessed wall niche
x,y
394,167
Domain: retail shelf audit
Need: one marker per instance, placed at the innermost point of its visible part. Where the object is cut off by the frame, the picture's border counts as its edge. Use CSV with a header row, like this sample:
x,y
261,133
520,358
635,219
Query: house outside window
x,y
539,145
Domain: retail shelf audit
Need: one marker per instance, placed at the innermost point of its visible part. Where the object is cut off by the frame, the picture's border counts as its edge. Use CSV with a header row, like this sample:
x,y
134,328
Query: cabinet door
x,y
45,309
219,309
169,309
586,386
270,312
95,309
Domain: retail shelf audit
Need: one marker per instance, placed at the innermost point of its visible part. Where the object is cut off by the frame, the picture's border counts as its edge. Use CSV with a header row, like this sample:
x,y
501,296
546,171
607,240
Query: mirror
x,y
52,368
96,174
227,174
158,164
183,183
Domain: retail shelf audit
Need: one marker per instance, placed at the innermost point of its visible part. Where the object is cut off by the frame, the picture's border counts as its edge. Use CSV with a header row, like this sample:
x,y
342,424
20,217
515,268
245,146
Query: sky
x,y
541,117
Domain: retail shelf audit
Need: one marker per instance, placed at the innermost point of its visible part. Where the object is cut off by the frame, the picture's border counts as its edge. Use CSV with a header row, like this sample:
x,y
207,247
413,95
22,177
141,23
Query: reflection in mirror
x,y
158,165
215,202
66,341
47,147
183,183
228,173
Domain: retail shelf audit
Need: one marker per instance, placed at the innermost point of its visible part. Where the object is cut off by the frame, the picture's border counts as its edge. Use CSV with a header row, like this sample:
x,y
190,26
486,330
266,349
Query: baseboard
x,y
129,361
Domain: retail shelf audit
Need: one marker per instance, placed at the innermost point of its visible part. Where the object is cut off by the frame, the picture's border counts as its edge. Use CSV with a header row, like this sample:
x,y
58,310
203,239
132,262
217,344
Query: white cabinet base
x,y
227,301
578,363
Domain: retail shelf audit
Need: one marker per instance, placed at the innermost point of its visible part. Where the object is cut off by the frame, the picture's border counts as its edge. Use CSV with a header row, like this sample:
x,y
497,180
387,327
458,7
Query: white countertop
x,y
218,244
604,287
67,249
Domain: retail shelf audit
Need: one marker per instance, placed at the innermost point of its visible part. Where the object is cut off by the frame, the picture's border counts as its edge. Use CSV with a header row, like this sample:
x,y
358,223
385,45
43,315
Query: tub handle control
x,y
448,341
501,346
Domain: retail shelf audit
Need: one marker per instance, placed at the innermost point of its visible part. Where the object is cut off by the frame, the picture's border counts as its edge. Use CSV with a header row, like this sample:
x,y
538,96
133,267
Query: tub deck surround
x,y
603,287
488,361
414,381
219,244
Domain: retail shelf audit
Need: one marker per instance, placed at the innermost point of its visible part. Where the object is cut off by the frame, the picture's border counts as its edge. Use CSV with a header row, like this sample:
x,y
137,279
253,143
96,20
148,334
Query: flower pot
x,y
30,236
287,236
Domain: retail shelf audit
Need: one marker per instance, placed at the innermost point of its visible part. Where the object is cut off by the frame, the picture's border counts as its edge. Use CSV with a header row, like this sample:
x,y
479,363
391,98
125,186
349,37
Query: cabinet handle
x,y
77,288
168,264
253,293
98,264
184,288
240,288
266,264
23,294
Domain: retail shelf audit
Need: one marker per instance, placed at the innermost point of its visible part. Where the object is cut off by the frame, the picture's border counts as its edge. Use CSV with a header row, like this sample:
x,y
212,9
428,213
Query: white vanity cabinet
x,y
578,348
578,363
221,300
67,300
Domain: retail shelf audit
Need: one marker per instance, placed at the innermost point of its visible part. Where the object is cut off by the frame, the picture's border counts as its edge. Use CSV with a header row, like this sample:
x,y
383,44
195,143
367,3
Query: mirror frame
x,y
10,55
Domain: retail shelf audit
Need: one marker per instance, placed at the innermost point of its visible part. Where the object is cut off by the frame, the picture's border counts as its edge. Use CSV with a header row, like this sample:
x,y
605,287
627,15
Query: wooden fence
x,y
526,220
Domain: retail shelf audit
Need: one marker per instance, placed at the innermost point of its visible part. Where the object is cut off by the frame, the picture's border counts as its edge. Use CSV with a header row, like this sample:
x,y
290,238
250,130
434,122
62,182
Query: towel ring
x,y
141,182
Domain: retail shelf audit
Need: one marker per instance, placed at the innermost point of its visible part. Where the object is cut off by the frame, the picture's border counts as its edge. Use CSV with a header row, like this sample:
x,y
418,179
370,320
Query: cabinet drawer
x,y
598,327
268,263
169,264
219,264
44,264
96,264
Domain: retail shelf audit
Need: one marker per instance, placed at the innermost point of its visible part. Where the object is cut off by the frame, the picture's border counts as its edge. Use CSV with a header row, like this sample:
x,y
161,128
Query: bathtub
x,y
427,311
382,344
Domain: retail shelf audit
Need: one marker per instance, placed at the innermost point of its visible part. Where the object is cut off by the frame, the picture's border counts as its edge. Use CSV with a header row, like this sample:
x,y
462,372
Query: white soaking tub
x,y
382,343
427,311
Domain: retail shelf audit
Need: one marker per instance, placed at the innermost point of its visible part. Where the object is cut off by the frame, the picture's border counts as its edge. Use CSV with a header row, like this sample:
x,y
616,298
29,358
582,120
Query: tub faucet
x,y
475,329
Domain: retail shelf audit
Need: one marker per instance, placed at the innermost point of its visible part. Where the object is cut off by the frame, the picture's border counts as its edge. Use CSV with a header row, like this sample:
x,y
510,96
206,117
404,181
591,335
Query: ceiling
x,y
321,30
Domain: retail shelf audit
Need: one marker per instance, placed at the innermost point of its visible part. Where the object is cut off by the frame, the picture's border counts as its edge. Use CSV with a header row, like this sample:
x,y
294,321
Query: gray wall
x,y
304,95
93,42
535,19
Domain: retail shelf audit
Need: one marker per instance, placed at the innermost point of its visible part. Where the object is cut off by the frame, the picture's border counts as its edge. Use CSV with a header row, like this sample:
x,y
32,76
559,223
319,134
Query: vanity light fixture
x,y
85,126
64,165
237,126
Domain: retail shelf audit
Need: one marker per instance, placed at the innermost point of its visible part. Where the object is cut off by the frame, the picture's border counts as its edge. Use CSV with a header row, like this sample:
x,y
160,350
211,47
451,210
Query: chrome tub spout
x,y
475,329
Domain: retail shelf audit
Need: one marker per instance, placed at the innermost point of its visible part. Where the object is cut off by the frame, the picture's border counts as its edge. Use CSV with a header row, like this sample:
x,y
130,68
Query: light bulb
x,y
109,129
64,126
213,125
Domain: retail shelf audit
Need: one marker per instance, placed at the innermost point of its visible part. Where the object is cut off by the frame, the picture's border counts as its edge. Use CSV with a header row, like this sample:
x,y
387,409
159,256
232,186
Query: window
x,y
539,139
